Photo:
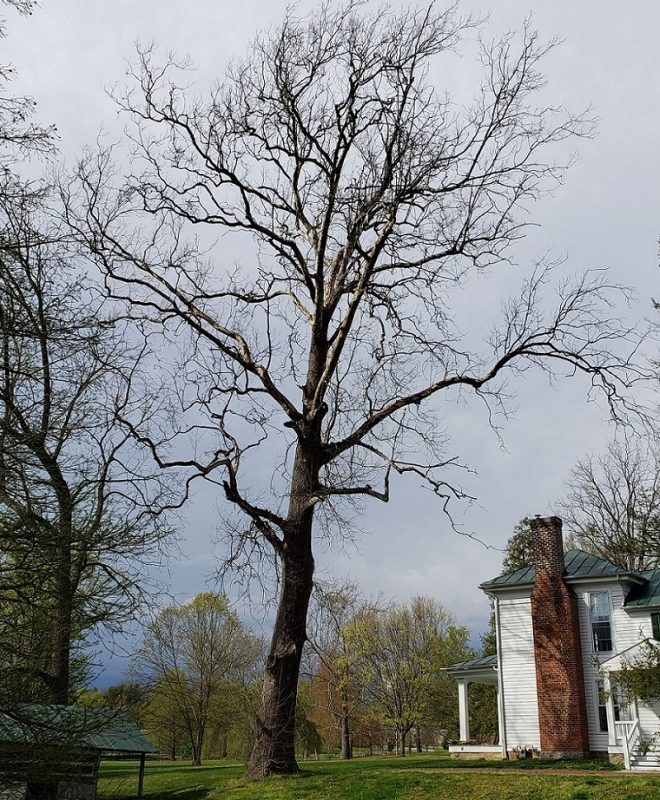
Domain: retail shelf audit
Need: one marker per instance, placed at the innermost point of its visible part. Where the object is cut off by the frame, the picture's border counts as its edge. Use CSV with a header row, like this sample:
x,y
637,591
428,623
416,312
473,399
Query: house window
x,y
602,707
620,702
655,625
601,626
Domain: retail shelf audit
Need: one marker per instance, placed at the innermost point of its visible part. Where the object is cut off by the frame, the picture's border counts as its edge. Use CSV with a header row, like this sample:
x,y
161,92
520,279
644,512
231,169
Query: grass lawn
x,y
416,777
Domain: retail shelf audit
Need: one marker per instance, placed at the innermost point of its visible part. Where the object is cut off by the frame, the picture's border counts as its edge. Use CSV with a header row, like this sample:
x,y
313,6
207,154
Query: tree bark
x,y
346,749
62,631
61,636
274,748
418,738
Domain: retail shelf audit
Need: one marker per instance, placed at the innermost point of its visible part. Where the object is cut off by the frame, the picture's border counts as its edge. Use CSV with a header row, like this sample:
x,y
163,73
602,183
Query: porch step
x,y
648,761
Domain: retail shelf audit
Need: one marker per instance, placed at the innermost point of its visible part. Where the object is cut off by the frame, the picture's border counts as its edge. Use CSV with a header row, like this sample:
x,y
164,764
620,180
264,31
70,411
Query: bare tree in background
x,y
19,134
612,504
367,199
81,509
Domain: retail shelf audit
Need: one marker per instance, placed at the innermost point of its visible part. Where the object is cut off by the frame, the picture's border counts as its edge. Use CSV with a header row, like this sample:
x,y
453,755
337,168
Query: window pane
x,y
600,621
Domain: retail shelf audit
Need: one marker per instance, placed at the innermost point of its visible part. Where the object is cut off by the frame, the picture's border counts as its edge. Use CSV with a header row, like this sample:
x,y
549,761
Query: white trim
x,y
599,653
474,748
463,713
501,714
609,706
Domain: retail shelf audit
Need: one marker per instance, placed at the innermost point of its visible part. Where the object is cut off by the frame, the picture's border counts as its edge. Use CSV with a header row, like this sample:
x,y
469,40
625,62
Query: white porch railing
x,y
628,732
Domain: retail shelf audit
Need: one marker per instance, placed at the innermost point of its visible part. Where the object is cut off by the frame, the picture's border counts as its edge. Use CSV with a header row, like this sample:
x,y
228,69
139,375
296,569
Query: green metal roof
x,y
481,662
648,594
578,564
74,726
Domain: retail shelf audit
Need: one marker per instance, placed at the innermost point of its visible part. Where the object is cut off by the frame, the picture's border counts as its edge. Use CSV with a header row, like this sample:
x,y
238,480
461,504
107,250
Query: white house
x,y
563,625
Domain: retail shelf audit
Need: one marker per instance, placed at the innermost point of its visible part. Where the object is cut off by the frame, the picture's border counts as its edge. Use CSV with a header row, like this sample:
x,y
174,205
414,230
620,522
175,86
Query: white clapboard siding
x,y
519,673
628,629
634,626
598,740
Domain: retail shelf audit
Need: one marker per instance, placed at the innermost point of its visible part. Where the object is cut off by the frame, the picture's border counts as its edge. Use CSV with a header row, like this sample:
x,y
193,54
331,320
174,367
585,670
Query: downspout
x,y
501,714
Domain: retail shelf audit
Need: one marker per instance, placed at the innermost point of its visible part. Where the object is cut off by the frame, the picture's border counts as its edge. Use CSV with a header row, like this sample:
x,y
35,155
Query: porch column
x,y
609,707
463,714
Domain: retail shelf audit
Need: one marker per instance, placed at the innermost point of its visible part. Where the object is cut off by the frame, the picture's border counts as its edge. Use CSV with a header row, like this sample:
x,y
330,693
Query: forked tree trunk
x,y
274,748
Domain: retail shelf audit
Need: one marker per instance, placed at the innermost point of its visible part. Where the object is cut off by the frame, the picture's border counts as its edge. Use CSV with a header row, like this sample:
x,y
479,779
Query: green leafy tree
x,y
441,708
640,674
191,654
398,654
164,722
308,738
336,607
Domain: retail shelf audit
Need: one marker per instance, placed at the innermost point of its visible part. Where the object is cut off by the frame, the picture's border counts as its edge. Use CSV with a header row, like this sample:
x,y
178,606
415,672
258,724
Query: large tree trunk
x,y
346,749
60,655
274,749
61,641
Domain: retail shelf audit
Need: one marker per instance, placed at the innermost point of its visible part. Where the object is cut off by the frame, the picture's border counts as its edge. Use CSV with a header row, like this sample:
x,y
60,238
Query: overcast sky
x,y
606,215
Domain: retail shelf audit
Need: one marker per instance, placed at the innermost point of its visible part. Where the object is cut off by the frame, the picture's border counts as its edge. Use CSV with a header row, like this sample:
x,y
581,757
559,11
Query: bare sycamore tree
x,y
364,198
612,504
80,505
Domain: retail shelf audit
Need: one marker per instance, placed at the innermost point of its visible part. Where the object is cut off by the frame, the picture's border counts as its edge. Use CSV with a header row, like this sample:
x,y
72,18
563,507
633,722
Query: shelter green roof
x,y
577,563
101,729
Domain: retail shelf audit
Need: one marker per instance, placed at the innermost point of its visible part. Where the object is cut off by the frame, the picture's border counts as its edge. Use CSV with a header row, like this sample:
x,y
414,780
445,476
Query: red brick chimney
x,y
557,648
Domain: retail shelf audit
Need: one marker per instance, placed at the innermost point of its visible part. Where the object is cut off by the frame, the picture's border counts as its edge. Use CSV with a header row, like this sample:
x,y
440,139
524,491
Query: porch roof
x,y
473,663
482,669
